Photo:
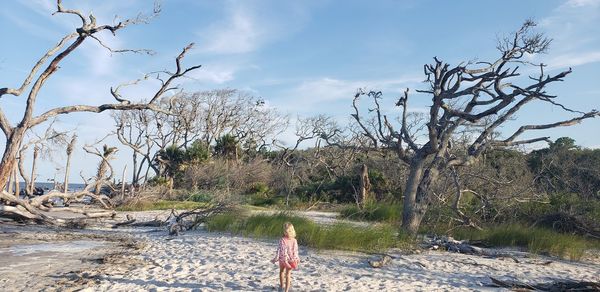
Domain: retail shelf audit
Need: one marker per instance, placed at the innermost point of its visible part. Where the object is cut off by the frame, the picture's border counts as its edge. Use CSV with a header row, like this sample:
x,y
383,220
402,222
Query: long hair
x,y
288,230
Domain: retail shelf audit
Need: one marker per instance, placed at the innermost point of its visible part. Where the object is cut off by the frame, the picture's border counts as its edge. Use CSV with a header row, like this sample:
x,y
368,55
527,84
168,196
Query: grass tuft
x,y
536,240
161,205
379,212
309,233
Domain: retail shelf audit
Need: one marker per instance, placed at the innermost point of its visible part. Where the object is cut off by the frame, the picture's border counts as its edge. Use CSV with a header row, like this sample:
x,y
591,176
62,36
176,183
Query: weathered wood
x,y
384,261
52,59
558,285
365,186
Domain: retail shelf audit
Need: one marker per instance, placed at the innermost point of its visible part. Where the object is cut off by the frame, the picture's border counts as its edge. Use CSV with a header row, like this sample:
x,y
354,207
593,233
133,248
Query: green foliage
x,y
566,168
227,146
161,205
158,181
172,157
200,197
198,152
381,212
259,194
309,233
536,240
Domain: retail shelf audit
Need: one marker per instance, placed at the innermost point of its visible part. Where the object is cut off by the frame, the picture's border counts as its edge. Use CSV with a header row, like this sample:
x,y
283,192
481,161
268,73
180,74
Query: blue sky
x,y
303,57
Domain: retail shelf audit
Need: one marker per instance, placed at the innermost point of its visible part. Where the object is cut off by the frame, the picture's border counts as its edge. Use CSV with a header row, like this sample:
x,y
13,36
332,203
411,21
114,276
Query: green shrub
x,y
200,197
158,181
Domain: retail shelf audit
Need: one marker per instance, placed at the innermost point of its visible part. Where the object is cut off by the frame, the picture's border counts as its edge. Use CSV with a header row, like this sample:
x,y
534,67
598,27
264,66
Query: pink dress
x,y
287,252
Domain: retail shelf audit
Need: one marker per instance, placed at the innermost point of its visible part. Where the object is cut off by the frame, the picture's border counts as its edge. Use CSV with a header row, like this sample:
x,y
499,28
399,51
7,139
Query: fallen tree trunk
x,y
559,285
37,209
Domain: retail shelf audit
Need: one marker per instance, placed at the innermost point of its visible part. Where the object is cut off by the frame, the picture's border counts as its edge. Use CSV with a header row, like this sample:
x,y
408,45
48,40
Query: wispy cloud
x,y
334,89
213,74
326,95
575,33
582,3
249,25
574,59
240,33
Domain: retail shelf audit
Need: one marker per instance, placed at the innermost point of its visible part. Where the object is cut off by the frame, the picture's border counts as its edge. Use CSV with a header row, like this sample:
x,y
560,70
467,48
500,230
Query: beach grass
x,y
378,212
534,239
161,205
311,234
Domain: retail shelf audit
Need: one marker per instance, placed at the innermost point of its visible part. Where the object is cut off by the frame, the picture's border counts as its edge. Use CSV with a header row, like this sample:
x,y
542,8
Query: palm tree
x,y
228,147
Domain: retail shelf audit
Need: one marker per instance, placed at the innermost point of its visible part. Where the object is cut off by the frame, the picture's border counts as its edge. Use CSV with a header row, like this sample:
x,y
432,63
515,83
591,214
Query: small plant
x,y
200,197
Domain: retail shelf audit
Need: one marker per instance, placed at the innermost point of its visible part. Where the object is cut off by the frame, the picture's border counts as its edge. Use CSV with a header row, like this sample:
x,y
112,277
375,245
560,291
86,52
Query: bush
x,y
200,197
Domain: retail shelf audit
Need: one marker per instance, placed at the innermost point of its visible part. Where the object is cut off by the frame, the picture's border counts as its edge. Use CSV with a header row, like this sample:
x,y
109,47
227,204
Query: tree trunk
x,y
123,183
410,222
33,166
67,168
7,164
17,186
11,180
416,195
135,178
365,186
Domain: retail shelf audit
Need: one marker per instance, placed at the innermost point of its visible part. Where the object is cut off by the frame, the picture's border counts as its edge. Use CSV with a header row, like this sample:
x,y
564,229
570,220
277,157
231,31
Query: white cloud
x,y
334,96
100,60
249,25
30,27
574,59
42,7
210,74
574,32
582,3
239,34
327,89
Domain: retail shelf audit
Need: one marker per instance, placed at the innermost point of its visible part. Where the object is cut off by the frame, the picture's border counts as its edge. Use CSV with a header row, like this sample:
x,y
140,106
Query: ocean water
x,y
47,186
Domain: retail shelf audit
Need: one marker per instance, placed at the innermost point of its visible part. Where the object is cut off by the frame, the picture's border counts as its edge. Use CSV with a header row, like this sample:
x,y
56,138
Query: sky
x,y
302,57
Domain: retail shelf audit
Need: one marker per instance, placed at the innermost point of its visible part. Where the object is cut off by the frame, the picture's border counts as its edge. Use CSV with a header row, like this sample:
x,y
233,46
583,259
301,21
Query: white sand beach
x,y
204,261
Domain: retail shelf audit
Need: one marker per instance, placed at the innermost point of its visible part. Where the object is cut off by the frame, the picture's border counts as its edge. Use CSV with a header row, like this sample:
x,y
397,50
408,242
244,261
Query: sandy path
x,y
202,261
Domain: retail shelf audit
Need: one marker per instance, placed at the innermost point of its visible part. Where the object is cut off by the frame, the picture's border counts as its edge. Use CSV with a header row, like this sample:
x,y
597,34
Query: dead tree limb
x,y
37,78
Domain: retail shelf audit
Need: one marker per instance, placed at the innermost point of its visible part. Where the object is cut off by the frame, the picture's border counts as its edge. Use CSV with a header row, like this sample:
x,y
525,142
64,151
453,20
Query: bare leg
x,y
281,270
288,279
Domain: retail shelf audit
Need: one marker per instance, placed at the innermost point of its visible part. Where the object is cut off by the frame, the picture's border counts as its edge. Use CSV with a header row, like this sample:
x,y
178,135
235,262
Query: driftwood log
x,y
188,220
559,285
178,222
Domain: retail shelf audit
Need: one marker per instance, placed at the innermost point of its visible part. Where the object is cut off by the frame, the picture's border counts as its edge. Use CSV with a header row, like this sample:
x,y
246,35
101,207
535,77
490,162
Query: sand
x,y
204,261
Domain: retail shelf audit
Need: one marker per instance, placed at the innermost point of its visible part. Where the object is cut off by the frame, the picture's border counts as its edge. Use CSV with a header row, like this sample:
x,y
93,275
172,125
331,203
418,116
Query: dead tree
x,y
106,154
364,187
482,94
69,151
15,132
44,145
